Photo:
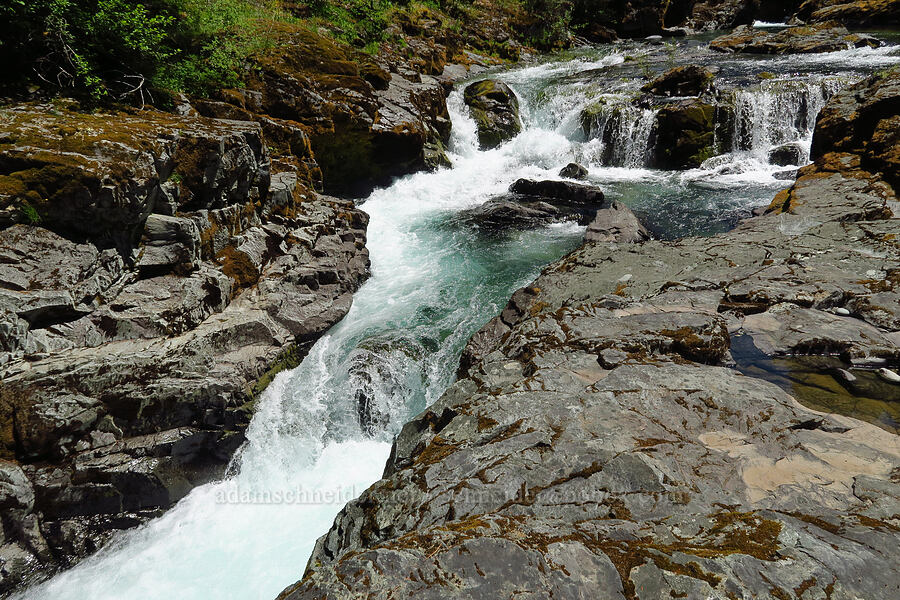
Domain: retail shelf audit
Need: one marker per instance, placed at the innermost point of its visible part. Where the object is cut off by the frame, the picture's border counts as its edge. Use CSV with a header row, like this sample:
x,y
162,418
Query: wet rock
x,y
495,108
560,193
498,215
787,154
573,171
822,37
684,135
691,80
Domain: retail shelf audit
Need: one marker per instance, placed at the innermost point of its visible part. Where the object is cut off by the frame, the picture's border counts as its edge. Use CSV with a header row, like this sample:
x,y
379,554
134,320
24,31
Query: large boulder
x,y
495,108
691,80
616,223
684,135
821,37
531,203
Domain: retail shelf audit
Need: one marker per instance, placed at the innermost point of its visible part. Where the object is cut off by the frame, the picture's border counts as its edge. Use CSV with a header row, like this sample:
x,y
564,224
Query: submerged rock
x,y
495,108
821,37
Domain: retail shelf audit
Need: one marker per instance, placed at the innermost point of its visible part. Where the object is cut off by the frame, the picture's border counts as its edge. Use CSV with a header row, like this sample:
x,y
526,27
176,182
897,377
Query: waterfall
x,y
779,111
623,131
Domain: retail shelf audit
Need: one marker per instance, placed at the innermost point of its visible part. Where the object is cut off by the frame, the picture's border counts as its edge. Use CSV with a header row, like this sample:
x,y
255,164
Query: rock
x,y
100,174
866,14
498,215
691,80
684,135
596,438
821,37
848,120
560,193
787,154
343,100
537,203
573,171
169,242
495,108
616,224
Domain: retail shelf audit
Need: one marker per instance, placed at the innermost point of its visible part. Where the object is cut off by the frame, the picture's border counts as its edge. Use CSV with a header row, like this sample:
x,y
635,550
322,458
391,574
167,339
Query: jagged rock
x,y
870,14
787,154
684,134
495,108
573,171
821,37
691,80
865,126
363,123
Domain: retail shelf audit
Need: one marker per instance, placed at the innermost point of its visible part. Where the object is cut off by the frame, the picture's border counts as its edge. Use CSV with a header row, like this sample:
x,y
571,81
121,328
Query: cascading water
x,y
779,111
322,432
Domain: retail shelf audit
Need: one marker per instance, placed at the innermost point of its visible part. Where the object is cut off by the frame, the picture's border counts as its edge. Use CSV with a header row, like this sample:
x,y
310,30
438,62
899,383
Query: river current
x,y
435,281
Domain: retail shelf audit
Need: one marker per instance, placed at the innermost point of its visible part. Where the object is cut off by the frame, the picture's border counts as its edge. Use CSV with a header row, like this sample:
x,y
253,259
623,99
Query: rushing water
x,y
435,281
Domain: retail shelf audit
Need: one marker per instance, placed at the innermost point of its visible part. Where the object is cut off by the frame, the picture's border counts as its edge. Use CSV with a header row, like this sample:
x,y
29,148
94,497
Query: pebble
x,y
841,311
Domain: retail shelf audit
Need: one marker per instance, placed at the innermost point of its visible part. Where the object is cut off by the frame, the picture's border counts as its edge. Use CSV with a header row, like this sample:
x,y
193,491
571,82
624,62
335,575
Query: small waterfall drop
x,y
779,111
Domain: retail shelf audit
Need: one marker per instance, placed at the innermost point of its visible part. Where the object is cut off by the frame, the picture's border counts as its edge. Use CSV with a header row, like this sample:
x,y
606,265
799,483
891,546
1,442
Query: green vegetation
x,y
121,50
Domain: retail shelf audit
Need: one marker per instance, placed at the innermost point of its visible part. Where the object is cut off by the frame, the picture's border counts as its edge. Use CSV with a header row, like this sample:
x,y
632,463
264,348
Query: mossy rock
x,y
495,108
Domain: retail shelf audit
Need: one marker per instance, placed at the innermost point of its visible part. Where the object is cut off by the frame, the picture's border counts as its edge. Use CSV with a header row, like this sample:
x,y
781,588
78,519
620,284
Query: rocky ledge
x,y
155,272
605,440
829,36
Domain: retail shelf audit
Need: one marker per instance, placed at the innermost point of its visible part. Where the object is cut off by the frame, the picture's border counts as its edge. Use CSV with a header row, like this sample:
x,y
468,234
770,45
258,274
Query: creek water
x,y
435,280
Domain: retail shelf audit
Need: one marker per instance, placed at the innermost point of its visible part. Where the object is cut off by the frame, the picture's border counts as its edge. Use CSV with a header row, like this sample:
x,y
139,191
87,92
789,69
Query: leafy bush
x,y
120,49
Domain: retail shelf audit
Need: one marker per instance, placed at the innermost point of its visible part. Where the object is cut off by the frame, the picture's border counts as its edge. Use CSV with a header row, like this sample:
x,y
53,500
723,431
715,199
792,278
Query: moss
x,y
239,267
437,450
807,584
290,358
